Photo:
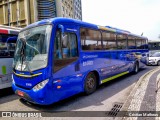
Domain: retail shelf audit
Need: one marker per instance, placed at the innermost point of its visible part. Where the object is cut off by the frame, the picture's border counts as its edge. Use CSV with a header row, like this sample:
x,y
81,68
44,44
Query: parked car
x,y
154,59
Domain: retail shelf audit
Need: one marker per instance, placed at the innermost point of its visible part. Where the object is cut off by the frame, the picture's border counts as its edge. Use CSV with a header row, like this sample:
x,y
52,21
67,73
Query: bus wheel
x,y
158,63
90,83
136,68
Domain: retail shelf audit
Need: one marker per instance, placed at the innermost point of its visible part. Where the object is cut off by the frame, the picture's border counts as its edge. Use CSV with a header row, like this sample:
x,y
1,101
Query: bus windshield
x,y
32,48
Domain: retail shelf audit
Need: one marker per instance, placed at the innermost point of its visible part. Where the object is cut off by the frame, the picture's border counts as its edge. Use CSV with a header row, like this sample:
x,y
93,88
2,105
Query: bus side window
x,y
139,43
121,41
144,44
73,45
57,46
131,42
65,50
90,39
69,45
65,46
109,41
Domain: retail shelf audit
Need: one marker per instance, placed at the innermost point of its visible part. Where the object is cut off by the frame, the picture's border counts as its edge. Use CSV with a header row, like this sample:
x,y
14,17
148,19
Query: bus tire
x,y
158,63
136,68
90,83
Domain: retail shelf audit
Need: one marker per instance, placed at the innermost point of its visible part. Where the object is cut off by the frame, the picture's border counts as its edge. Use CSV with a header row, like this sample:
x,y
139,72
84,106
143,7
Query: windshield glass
x,y
32,49
157,54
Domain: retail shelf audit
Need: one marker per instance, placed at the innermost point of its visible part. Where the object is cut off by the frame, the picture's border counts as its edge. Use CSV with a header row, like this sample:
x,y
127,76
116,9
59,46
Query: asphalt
x,y
143,103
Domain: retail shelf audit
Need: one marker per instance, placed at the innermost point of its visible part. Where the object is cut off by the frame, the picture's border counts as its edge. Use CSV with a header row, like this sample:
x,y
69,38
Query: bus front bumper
x,y
42,97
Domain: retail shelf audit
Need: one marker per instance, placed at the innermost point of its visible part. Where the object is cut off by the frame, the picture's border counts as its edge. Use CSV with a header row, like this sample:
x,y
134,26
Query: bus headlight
x,y
40,85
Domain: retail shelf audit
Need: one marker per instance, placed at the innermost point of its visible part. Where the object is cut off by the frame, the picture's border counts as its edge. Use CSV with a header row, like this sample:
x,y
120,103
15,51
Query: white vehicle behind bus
x,y
154,59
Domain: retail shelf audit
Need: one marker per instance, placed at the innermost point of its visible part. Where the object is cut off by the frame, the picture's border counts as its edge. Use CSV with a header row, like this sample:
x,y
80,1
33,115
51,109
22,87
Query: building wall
x,y
31,12
77,9
65,8
2,13
58,8
46,9
24,12
21,12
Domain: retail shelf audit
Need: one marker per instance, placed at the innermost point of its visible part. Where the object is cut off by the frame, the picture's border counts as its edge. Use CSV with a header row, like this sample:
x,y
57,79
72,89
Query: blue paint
x,y
106,63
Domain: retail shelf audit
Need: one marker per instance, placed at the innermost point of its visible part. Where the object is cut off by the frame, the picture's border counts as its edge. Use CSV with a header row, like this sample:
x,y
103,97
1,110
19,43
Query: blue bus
x,y
60,57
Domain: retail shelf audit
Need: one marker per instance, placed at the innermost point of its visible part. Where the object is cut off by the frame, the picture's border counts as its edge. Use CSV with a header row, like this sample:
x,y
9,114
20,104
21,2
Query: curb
x,y
131,95
158,83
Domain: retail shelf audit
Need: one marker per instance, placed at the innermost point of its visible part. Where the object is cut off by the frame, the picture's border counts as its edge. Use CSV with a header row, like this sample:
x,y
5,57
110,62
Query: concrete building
x,y
65,8
77,9
45,9
21,13
69,8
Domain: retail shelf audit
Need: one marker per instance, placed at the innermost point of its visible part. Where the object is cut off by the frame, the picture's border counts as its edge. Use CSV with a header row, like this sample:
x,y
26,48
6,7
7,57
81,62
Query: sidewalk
x,y
144,101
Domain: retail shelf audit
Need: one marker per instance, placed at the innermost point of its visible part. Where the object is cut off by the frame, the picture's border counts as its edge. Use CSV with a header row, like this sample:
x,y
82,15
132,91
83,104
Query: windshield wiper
x,y
23,55
22,51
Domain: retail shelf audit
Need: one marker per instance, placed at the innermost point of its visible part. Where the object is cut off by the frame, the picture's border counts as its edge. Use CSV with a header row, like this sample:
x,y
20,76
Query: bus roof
x,y
154,41
9,30
135,35
119,30
61,20
78,22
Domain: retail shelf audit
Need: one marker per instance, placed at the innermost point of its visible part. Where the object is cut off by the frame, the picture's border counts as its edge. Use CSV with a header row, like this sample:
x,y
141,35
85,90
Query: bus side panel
x,y
136,55
107,63
70,82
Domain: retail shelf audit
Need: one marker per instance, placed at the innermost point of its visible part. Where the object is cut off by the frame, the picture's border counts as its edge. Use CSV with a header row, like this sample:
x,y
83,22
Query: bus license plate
x,y
20,93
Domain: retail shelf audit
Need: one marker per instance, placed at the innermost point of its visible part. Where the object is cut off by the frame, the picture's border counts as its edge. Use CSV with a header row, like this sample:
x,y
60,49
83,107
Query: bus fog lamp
x,y
40,85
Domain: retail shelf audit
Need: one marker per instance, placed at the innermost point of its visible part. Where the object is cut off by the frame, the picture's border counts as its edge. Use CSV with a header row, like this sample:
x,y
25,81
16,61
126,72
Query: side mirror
x,y
64,36
62,29
12,39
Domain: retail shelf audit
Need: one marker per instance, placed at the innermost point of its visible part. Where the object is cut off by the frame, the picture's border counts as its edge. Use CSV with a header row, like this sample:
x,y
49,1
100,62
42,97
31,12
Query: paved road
x,y
103,99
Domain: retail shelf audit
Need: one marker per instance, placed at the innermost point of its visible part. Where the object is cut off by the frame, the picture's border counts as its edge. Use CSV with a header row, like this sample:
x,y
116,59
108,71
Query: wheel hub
x,y
90,83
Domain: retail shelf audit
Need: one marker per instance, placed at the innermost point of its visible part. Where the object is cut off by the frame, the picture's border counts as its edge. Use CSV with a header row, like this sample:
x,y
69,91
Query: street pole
x,y
17,17
8,14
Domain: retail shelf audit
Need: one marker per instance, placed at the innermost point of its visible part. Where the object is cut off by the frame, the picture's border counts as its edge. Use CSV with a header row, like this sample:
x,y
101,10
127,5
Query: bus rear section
x,y
8,37
58,58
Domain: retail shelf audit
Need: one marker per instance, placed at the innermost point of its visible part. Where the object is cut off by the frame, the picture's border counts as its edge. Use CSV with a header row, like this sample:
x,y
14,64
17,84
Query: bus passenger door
x,y
66,62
